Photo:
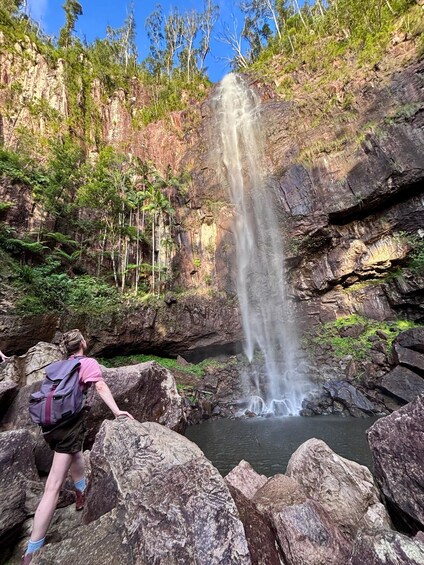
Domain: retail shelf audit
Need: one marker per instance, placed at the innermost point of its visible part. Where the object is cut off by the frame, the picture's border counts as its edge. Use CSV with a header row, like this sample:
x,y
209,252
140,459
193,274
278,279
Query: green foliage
x,y
312,38
416,263
21,169
5,206
170,94
331,334
47,289
90,295
197,369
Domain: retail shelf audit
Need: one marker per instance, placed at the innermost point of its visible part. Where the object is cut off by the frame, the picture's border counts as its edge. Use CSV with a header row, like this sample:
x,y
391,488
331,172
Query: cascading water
x,y
260,258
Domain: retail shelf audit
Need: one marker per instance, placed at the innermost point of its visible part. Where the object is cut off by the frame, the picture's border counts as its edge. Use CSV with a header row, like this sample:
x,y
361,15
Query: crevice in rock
x,y
366,208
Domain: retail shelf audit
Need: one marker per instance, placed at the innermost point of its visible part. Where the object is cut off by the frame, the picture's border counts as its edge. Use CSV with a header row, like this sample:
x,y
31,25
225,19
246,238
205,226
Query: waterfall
x,y
261,290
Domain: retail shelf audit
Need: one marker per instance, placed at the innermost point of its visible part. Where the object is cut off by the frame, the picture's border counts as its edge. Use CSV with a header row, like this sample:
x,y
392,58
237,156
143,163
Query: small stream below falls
x,y
268,443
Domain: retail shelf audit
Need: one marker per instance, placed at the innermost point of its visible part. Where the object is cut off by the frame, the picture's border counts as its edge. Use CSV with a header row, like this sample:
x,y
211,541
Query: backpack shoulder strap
x,y
59,369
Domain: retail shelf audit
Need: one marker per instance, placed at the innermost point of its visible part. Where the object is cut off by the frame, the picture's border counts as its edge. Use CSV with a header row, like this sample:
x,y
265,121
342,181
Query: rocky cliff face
x,y
350,186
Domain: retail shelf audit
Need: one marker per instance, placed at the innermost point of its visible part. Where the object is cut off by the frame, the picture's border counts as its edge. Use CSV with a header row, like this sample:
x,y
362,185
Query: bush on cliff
x,y
341,344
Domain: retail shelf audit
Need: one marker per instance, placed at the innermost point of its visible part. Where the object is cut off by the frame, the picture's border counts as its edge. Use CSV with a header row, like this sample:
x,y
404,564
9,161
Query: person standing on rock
x,y
66,440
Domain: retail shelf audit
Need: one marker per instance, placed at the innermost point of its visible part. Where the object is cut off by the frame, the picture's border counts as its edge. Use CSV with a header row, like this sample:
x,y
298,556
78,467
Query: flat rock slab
x,y
397,445
403,383
409,358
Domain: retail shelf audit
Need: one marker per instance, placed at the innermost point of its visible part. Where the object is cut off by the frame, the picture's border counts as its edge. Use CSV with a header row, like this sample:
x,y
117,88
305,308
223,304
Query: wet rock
x,y
309,536
398,457
260,535
409,358
386,547
277,493
245,479
349,396
344,488
403,383
411,339
164,489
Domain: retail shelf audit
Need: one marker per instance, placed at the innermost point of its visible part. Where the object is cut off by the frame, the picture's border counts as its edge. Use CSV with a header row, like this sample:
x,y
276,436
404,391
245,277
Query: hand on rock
x,y
122,413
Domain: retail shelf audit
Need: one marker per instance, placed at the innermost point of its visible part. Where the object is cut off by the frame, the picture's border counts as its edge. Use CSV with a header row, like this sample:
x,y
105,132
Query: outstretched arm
x,y
105,394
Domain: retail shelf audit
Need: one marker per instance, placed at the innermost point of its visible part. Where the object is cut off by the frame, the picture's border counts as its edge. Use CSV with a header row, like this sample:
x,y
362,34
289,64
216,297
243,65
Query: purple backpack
x,y
60,396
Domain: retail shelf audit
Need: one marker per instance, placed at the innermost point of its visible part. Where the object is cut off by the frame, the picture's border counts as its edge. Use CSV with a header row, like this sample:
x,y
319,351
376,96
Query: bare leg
x,y
47,506
77,466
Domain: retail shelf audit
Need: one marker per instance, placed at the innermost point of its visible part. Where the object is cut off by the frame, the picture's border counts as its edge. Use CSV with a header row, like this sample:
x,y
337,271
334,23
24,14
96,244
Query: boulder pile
x,y
154,498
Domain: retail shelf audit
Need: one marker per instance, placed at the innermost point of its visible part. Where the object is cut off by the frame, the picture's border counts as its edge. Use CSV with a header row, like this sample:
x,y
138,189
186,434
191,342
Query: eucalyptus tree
x,y
207,22
234,39
154,27
191,27
259,12
73,9
174,39
123,41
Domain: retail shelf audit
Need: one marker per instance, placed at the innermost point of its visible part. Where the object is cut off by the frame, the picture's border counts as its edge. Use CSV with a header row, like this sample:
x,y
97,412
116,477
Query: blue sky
x,y
100,13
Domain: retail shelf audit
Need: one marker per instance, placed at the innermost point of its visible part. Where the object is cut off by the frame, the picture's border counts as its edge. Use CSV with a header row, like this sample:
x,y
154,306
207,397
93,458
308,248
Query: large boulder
x,y
398,455
411,339
403,383
164,490
309,536
147,390
260,534
19,333
29,368
350,397
344,488
104,542
409,358
17,469
8,391
277,493
386,547
245,479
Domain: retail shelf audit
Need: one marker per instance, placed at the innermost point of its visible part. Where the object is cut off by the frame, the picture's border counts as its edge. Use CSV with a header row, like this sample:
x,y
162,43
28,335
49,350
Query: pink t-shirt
x,y
90,371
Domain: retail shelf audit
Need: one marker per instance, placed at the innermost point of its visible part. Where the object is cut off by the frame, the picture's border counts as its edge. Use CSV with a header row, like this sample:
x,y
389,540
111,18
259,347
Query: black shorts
x,y
67,437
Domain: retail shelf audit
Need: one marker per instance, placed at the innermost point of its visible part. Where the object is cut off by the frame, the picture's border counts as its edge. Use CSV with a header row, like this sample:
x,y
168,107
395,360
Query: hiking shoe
x,y
26,559
79,500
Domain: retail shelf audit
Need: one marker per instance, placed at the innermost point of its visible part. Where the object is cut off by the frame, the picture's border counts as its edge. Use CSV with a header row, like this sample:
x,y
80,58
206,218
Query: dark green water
x,y
268,443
